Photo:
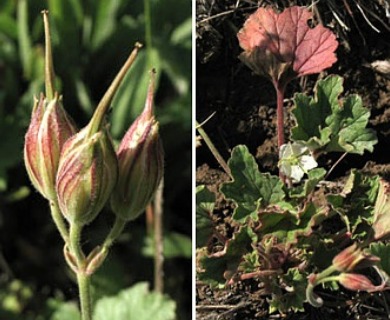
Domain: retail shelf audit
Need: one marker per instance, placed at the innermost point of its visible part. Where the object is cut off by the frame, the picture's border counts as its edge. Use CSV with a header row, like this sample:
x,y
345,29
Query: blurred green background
x,y
91,39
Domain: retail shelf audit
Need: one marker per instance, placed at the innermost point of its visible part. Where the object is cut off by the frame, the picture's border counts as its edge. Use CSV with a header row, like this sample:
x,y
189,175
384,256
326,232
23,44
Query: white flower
x,y
295,160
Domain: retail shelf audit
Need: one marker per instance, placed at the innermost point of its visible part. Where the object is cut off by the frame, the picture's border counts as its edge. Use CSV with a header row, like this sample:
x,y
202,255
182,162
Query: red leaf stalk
x,y
280,89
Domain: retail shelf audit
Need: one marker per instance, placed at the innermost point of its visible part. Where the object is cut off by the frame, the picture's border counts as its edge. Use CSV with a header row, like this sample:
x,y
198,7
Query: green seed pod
x,y
140,158
88,168
49,128
358,282
87,174
352,258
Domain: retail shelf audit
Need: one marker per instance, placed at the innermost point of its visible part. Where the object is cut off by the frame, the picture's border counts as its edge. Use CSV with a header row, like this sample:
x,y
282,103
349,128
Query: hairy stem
x,y
59,220
74,244
280,113
84,283
158,240
115,232
104,104
83,280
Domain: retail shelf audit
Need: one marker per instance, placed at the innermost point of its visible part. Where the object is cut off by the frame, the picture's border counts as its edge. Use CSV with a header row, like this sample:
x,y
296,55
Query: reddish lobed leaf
x,y
283,46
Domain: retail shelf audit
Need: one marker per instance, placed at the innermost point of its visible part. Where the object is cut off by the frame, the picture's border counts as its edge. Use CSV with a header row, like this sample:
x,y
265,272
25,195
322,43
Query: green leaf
x,y
313,177
182,35
24,38
66,18
287,224
205,202
355,203
250,262
65,311
327,123
382,251
10,146
250,189
381,224
104,22
135,303
295,297
216,266
176,63
175,245
8,26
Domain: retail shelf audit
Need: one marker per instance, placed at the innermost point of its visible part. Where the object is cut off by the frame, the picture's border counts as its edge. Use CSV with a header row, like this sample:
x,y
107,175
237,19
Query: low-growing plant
x,y
298,231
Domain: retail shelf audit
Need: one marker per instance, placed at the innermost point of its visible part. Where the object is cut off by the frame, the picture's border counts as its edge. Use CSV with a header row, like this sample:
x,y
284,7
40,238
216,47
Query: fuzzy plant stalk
x,y
86,177
79,171
282,47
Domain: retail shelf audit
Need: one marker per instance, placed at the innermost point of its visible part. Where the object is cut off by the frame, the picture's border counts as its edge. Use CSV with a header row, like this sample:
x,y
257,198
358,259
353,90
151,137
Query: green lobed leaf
x,y
135,303
381,223
250,262
330,124
250,189
295,297
218,264
355,203
313,177
205,202
382,250
287,224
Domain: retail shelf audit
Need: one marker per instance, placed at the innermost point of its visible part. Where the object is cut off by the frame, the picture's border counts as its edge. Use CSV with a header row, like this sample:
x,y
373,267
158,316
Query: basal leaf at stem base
x,y
217,266
289,225
250,189
329,124
294,298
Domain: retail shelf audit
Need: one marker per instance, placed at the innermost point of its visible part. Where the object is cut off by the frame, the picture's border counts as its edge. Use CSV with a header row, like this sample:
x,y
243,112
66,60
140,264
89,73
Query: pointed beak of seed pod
x,y
140,158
